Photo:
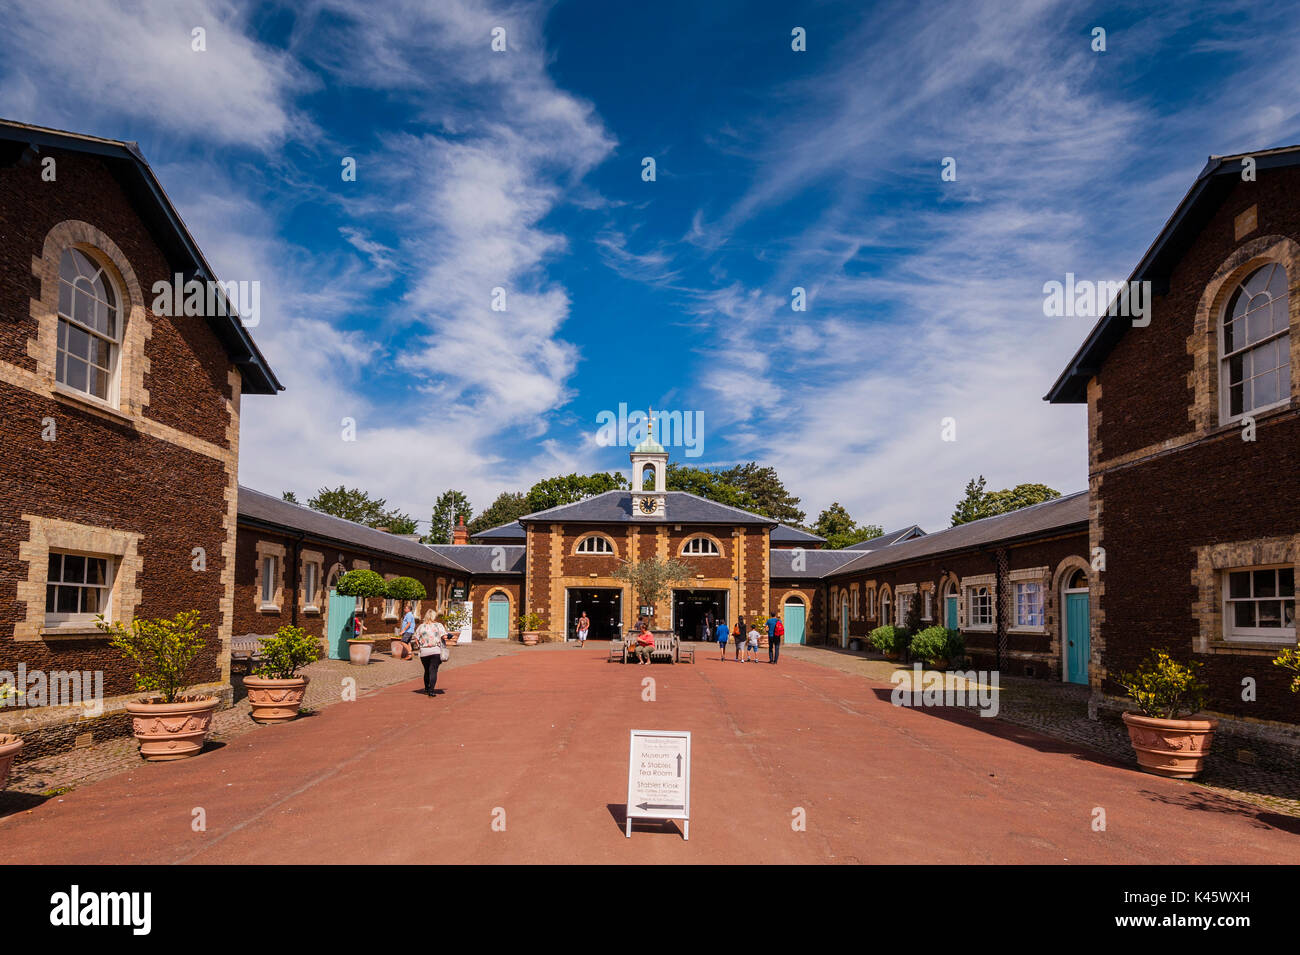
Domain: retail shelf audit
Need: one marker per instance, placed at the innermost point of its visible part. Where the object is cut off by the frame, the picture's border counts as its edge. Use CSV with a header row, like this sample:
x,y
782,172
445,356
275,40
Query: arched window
x,y
594,545
90,327
701,546
1078,581
1255,344
648,478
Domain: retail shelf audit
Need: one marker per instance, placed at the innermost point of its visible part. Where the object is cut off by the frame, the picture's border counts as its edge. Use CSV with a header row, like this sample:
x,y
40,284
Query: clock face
x,y
649,505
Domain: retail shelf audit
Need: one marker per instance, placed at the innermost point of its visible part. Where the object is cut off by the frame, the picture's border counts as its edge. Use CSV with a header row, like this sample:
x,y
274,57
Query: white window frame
x,y
1020,587
1258,635
886,606
855,601
53,619
1225,397
311,585
594,544
970,588
927,605
112,396
271,575
701,547
871,603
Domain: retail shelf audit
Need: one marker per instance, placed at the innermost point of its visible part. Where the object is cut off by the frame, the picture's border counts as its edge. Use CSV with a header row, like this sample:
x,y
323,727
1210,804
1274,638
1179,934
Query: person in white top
x,y
751,651
584,624
431,643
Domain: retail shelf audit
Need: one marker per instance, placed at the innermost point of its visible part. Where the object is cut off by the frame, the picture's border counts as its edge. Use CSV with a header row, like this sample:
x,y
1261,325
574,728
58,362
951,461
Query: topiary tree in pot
x,y
275,689
168,723
530,627
364,585
1167,741
405,590
887,639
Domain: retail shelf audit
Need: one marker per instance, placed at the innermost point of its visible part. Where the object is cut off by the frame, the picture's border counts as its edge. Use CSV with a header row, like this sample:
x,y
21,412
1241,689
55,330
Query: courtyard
x,y
523,759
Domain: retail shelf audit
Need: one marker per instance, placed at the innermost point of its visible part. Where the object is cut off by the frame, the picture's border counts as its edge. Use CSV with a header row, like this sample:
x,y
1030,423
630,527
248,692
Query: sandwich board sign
x,y
659,777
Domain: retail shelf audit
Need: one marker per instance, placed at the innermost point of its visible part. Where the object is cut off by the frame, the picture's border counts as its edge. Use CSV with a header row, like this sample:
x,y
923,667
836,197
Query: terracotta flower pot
x,y
399,650
1175,748
530,637
10,747
273,700
172,730
359,651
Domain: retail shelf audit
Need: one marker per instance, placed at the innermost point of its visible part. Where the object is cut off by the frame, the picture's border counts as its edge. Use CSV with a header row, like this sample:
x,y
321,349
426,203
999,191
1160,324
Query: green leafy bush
x,y
162,649
531,621
1290,660
363,584
930,644
1165,689
284,654
456,617
405,588
887,639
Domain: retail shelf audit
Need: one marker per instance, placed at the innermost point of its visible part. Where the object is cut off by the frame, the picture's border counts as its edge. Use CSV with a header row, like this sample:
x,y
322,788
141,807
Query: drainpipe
x,y
293,606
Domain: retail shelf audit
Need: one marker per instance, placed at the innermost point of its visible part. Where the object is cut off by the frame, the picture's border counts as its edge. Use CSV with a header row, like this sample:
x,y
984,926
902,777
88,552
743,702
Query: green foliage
x,y
1290,660
746,486
530,622
840,530
449,506
290,497
284,654
571,488
456,617
1164,688
354,504
363,584
405,588
651,579
978,503
936,643
887,639
509,506
162,649
9,692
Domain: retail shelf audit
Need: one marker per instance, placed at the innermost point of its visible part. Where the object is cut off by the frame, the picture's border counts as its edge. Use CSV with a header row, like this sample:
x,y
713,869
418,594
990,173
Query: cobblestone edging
x,y
61,772
1061,711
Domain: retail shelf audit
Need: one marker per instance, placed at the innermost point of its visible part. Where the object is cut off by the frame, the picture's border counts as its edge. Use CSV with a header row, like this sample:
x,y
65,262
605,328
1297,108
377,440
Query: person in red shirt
x,y
645,642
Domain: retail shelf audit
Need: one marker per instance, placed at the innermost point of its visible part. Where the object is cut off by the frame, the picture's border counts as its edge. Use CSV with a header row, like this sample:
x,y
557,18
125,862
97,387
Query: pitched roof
x,y
814,564
680,507
513,530
1063,513
888,538
264,509
1220,175
783,534
482,558
128,166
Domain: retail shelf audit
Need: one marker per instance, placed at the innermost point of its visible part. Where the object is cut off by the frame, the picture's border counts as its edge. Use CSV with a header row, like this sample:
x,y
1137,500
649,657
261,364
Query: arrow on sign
x,y
679,764
652,805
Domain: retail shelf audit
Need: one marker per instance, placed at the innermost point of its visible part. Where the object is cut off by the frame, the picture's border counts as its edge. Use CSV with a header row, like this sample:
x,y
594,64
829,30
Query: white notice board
x,y
659,777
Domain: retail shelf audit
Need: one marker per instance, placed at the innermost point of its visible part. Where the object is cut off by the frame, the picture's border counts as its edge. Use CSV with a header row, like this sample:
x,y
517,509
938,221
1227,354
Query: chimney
x,y
461,534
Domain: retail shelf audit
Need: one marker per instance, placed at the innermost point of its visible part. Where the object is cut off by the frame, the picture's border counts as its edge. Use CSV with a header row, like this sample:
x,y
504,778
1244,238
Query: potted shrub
x,y
530,626
168,723
404,590
10,745
887,640
1167,742
364,585
275,690
931,646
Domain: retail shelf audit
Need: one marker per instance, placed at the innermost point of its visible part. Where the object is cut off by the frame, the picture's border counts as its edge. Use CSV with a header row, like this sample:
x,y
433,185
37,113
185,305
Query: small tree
x,y
403,589
162,649
652,579
362,584
284,654
456,617
1165,689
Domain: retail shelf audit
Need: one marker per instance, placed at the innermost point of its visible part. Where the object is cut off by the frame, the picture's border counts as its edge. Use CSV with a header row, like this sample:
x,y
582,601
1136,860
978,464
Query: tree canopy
x,y
746,486
571,488
840,530
354,504
451,504
978,503
509,506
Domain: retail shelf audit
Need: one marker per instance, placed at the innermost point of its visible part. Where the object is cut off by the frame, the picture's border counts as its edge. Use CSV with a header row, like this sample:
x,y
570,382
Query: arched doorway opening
x,y
1076,637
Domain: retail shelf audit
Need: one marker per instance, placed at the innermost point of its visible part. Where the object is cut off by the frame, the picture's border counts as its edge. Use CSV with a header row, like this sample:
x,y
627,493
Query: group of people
x,y
746,640
429,642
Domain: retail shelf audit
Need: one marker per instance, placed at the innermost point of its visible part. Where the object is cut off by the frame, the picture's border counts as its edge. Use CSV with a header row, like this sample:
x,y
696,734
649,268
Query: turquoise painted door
x,y
498,618
950,611
340,624
794,621
1079,643
844,623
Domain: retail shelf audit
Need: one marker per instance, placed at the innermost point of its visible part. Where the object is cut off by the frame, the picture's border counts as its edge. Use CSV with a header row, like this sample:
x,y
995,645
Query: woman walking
x,y
584,624
431,638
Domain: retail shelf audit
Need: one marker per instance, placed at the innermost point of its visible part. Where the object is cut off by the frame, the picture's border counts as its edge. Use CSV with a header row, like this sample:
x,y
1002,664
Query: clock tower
x,y
649,476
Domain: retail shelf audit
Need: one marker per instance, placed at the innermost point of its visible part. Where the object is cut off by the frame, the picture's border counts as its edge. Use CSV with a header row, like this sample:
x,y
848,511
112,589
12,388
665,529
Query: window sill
x,y
1026,629
311,609
268,608
979,629
1268,411
1251,647
74,632
69,396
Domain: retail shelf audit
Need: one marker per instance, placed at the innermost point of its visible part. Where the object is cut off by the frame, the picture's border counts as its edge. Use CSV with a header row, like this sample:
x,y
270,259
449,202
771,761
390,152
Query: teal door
x,y
1078,641
498,617
794,621
844,623
950,611
340,624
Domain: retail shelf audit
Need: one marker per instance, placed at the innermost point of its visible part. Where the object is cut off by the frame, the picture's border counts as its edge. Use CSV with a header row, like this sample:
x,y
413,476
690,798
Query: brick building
x,y
118,419
1194,445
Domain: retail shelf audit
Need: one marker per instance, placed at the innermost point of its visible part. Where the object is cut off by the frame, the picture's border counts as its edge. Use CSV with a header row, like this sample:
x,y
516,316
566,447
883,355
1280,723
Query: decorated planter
x,y
1174,748
10,747
275,701
531,637
172,730
399,649
359,651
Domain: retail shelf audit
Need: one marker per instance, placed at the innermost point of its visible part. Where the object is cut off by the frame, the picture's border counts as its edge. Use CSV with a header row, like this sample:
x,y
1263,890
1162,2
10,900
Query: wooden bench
x,y
685,653
247,649
665,648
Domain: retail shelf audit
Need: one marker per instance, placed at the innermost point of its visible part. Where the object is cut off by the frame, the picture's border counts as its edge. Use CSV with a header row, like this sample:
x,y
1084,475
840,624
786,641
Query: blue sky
x,y
775,169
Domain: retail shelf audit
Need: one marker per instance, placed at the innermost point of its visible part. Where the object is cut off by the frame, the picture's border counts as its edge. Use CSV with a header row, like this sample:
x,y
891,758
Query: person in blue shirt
x,y
723,636
773,641
408,625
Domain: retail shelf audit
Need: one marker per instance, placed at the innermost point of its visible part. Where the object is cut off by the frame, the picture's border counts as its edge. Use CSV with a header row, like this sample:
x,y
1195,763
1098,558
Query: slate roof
x,y
479,558
781,534
512,531
1064,513
888,538
1212,186
265,509
128,166
680,507
816,563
